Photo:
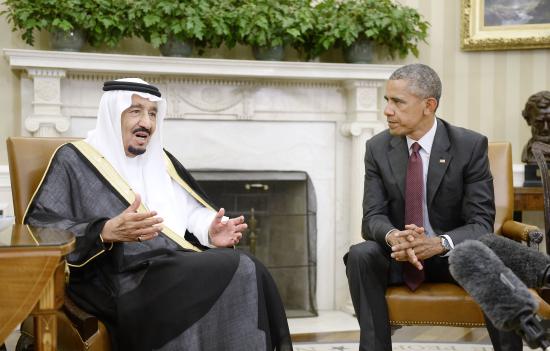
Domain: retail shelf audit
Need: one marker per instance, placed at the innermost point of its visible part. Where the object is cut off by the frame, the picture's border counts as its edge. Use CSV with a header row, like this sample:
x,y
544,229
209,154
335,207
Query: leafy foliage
x,y
398,28
219,19
323,34
270,23
310,26
206,22
161,19
316,26
108,21
30,15
102,21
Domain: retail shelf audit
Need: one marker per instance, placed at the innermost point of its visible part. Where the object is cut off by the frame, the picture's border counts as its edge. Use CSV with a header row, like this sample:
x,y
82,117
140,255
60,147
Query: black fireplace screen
x,y
280,209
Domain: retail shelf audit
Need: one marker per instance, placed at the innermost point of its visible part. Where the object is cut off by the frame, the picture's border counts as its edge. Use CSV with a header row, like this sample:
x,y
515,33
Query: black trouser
x,y
370,270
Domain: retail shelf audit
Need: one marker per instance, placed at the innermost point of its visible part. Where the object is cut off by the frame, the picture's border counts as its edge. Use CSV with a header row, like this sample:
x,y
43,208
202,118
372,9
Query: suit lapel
x,y
440,158
399,157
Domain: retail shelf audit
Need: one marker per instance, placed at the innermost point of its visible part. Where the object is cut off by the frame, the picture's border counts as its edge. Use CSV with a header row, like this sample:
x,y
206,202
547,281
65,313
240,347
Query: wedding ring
x,y
139,238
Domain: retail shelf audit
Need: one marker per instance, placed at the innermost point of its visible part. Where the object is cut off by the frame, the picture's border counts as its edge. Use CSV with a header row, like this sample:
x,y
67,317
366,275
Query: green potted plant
x,y
321,35
268,25
360,25
175,26
166,24
108,21
219,17
64,20
71,22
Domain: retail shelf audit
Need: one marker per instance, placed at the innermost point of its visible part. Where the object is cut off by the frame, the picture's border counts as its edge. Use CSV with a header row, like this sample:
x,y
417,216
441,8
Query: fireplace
x,y
280,209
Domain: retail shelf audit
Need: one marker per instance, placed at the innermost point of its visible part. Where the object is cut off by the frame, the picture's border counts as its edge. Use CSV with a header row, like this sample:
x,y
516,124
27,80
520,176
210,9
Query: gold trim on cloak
x,y
120,185
174,174
39,184
32,199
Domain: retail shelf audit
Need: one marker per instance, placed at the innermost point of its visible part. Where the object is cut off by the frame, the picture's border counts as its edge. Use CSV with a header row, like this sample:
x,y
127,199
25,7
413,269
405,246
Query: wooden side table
x,y
527,199
32,276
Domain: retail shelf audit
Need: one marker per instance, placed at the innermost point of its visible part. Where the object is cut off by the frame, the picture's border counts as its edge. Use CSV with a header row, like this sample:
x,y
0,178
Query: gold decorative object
x,y
527,27
253,222
258,186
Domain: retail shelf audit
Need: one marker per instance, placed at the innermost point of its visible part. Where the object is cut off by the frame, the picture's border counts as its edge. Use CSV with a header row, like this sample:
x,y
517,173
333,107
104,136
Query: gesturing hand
x,y
226,233
132,226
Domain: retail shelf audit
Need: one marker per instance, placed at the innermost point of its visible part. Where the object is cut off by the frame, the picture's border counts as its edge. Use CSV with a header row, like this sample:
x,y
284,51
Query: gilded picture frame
x,y
490,25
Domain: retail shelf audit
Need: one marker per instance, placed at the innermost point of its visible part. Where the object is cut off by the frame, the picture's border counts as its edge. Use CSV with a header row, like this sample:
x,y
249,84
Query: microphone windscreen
x,y
527,263
500,294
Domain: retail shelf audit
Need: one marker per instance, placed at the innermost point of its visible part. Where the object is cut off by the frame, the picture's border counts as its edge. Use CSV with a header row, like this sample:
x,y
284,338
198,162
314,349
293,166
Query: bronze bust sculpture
x,y
537,115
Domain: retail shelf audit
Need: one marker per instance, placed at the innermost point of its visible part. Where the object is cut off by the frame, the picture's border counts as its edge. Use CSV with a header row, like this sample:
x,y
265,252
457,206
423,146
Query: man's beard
x,y
136,151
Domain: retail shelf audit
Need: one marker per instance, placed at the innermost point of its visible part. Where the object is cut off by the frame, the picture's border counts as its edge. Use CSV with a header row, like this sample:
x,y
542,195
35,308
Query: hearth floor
x,y
338,326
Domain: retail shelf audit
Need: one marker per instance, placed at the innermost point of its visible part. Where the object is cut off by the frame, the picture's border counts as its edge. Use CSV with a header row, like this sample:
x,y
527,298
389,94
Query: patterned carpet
x,y
399,346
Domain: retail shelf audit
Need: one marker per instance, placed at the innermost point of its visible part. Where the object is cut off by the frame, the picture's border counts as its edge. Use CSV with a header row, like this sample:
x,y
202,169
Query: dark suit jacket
x,y
459,186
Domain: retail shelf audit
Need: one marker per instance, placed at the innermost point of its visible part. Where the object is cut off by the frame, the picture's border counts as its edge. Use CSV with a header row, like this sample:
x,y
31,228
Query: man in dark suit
x,y
445,169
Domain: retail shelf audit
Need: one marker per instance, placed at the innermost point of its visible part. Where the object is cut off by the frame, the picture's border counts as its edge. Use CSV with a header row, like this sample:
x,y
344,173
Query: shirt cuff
x,y
205,231
388,234
450,241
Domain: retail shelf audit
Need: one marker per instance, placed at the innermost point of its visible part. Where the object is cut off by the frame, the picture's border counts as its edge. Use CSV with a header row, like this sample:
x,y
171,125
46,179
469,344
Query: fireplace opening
x,y
280,209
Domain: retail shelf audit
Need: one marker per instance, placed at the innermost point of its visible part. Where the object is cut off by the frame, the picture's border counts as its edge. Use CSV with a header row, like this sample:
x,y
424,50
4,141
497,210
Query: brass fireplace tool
x,y
252,223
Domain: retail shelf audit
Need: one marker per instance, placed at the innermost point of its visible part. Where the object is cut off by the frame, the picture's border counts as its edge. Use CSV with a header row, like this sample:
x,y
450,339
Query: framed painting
x,y
505,24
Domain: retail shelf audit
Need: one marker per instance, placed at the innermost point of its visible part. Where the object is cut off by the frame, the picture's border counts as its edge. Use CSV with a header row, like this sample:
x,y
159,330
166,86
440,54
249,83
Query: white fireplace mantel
x,y
234,114
159,65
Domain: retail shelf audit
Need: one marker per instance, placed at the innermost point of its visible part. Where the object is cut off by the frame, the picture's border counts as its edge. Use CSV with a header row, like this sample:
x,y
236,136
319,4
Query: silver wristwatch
x,y
445,243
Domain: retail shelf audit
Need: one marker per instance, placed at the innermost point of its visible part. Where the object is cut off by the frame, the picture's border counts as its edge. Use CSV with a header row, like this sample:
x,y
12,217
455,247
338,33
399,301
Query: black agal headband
x,y
122,85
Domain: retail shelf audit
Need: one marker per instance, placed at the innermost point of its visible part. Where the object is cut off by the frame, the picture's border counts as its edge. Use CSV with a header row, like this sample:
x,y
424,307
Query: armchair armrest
x,y
544,308
522,232
85,323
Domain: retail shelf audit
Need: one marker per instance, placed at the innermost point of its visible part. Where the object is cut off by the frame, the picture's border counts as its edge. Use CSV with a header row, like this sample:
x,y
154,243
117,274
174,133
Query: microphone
x,y
500,293
531,266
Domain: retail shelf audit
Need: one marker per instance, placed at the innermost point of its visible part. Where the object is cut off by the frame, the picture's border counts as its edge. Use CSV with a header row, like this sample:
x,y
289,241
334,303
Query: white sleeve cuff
x,y
388,234
450,241
199,226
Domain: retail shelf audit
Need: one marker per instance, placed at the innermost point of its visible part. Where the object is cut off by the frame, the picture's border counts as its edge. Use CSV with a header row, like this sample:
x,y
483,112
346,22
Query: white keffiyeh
x,y
146,173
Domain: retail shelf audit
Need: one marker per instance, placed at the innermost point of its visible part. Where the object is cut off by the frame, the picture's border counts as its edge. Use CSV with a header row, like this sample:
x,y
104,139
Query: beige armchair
x,y
28,160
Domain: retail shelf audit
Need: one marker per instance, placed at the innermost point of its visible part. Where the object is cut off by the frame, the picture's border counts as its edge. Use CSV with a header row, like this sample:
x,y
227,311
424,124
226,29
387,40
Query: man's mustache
x,y
141,129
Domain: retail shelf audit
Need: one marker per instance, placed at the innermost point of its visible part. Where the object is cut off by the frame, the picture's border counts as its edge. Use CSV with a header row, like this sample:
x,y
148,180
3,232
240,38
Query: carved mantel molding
x,y
200,88
46,119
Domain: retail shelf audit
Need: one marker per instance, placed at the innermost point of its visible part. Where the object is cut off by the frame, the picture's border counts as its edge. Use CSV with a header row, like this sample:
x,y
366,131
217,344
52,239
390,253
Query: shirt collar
x,y
426,141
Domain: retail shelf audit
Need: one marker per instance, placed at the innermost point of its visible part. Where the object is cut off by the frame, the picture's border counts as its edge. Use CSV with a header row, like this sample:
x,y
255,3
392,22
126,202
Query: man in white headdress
x,y
153,259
